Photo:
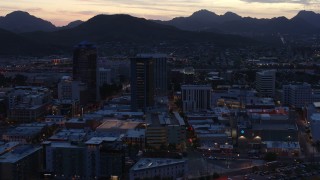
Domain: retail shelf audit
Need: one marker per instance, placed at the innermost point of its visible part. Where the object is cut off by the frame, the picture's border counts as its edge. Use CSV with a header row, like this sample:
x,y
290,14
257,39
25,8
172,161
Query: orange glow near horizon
x,y
61,12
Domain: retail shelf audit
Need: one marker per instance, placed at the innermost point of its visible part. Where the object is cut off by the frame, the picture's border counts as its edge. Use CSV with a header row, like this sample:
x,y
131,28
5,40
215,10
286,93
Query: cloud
x,y
305,2
33,9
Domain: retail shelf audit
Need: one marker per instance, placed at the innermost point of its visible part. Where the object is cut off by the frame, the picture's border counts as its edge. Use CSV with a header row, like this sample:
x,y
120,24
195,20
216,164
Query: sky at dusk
x,y
61,12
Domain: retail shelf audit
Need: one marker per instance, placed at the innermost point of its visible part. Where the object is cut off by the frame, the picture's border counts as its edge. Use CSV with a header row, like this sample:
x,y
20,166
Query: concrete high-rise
x,y
85,67
265,83
69,89
196,97
297,95
104,76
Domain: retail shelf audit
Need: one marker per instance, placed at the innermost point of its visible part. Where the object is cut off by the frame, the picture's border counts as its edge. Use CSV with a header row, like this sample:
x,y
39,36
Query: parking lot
x,y
284,171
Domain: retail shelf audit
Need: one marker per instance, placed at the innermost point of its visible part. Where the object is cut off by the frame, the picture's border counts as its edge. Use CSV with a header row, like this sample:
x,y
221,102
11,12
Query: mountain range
x,y
204,20
306,22
20,22
110,28
22,33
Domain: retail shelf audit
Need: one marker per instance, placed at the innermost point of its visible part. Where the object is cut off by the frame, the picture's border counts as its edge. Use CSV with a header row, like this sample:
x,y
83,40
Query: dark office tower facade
x,y
142,83
160,73
85,67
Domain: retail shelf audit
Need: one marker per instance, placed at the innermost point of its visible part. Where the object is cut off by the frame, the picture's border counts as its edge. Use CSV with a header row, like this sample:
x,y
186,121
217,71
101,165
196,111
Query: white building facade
x,y
265,83
297,95
196,97
69,89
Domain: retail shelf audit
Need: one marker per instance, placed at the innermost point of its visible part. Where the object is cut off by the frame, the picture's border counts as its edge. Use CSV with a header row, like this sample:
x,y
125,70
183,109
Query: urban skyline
x,y
119,97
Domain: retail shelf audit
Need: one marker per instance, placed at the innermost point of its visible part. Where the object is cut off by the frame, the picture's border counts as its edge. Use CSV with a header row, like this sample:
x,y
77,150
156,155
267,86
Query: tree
x,y
270,156
215,175
4,81
19,80
172,147
318,145
107,90
164,147
122,79
255,168
178,103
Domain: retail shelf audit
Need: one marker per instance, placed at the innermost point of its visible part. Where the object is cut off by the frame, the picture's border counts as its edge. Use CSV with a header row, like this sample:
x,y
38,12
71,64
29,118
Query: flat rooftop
x,y
99,140
115,113
316,104
119,124
152,55
179,118
193,86
284,127
163,119
24,131
136,133
69,135
7,147
18,153
146,163
77,120
62,144
282,144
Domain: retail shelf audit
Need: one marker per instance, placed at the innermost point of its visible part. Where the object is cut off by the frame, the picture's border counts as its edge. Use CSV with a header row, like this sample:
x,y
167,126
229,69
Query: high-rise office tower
x,y
160,72
149,79
85,67
142,83
265,83
104,76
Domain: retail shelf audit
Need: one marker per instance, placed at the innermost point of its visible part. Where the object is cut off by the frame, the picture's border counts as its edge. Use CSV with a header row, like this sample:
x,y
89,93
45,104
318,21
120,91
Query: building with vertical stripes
x,y
265,83
196,98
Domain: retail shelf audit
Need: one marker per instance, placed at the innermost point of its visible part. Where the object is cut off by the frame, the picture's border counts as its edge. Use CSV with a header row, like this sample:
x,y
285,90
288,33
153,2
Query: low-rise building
x,y
163,130
105,158
135,137
98,157
64,160
283,148
118,127
315,126
28,103
66,107
254,137
20,161
70,135
89,121
57,119
27,133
